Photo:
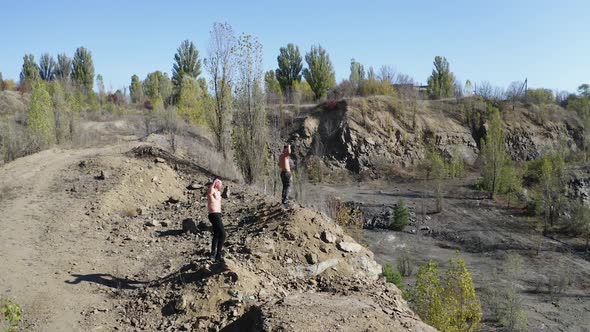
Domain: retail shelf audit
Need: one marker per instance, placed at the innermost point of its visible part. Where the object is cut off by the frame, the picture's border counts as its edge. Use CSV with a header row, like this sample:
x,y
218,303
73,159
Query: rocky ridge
x,y
360,134
281,265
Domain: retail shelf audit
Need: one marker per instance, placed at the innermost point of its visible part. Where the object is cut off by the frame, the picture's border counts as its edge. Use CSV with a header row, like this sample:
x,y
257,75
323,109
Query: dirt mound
x,y
366,133
277,259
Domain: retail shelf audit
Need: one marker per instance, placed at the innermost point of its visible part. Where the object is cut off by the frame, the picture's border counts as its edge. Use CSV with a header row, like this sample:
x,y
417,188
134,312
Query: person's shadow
x,y
106,280
195,272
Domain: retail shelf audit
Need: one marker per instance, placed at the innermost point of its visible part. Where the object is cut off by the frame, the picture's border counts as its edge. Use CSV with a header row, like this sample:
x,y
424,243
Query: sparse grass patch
x,y
10,315
350,218
404,263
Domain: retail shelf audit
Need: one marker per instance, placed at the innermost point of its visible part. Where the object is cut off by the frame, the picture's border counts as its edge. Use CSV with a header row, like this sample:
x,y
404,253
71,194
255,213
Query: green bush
x,y
456,167
10,315
40,118
448,304
401,217
392,275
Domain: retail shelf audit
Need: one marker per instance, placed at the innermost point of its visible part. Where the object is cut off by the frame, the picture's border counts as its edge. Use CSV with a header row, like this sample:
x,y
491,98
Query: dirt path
x,y
44,238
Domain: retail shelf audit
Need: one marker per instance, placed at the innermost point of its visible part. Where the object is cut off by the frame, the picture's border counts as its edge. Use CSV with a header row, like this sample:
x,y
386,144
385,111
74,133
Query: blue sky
x,y
498,41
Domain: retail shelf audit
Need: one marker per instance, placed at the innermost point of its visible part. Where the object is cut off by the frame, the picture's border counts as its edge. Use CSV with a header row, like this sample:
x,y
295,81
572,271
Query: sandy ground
x,y
45,236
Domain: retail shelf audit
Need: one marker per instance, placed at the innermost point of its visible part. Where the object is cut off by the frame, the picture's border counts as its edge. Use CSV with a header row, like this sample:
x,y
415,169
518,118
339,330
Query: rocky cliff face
x,y
578,184
530,135
360,133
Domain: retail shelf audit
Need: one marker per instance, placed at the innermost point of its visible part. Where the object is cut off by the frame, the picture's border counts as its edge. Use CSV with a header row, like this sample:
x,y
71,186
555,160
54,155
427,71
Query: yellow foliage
x,y
451,305
373,87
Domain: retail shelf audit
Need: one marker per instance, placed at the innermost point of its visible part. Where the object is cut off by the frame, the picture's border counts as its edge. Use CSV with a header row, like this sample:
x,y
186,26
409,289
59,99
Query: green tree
x,y
101,88
135,89
511,313
221,66
1,82
63,69
510,182
582,220
186,63
157,87
456,167
434,167
47,67
551,187
461,303
539,96
493,153
584,90
290,66
401,216
40,120
272,88
357,73
63,117
192,101
83,69
441,83
428,296
250,133
580,105
319,74
30,71
450,304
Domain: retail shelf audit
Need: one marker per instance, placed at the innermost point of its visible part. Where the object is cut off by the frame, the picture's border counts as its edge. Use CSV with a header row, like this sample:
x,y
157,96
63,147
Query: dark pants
x,y
218,235
286,179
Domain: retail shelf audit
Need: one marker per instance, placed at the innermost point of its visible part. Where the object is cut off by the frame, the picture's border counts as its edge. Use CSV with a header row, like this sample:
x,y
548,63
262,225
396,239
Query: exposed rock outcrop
x,y
363,133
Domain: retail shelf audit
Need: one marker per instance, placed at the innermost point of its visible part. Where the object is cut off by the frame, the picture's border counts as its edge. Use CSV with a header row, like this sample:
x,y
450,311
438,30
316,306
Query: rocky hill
x,y
360,133
120,240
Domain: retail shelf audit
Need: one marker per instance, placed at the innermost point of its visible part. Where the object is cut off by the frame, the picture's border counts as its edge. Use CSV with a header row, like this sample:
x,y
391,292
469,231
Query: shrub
x,y
456,167
10,315
373,87
539,96
510,312
392,276
8,85
450,304
348,217
400,217
404,263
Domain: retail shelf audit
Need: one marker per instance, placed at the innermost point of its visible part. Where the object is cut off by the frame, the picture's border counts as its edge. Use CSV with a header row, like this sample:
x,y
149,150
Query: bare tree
x,y
403,79
485,90
514,90
250,134
468,89
386,74
220,65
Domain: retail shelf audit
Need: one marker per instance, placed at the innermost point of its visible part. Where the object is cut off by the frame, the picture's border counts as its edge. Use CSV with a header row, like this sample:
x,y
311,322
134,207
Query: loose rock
x,y
349,246
328,237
